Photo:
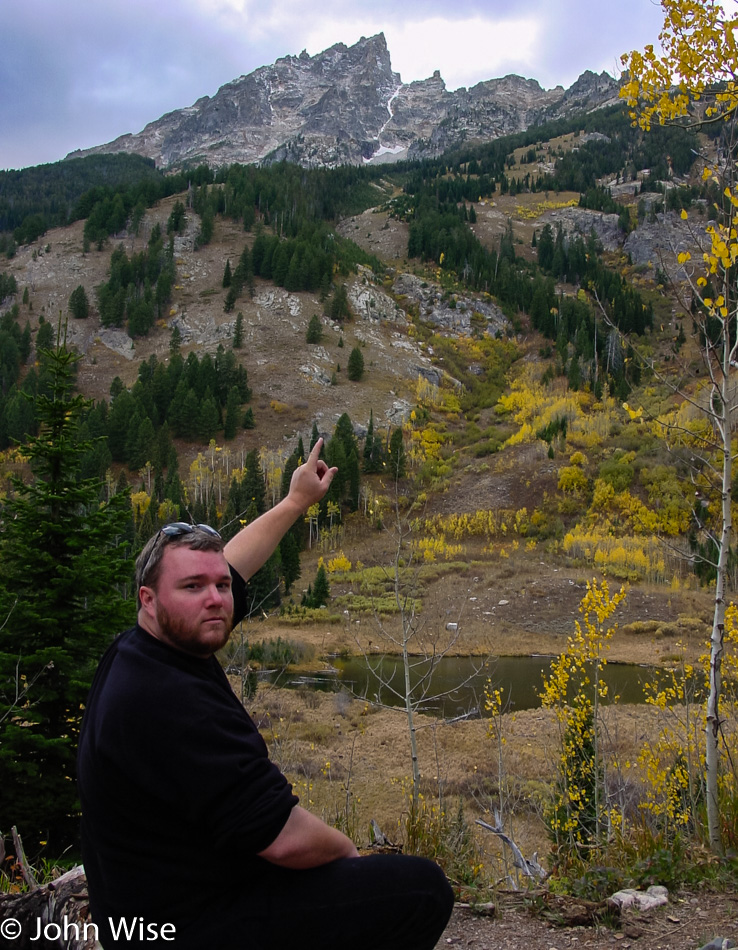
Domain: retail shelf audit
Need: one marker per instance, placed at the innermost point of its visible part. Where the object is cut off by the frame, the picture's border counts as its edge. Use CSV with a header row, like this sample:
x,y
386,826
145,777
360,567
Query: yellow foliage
x,y
574,690
697,60
140,502
167,511
434,547
488,523
535,211
435,397
572,479
534,406
628,557
338,563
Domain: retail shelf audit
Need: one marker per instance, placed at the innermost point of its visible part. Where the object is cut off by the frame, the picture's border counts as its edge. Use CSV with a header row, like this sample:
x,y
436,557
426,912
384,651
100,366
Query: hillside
x,y
410,324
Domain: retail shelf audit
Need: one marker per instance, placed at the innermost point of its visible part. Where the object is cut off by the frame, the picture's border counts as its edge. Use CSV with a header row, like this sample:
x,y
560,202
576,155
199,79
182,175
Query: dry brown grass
x,y
350,761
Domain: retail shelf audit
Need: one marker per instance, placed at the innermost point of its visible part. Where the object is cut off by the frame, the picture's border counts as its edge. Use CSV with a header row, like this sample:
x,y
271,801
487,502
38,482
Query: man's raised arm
x,y
255,543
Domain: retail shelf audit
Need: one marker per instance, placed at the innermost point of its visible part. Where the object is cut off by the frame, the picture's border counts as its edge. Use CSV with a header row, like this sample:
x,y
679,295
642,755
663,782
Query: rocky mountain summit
x,y
347,106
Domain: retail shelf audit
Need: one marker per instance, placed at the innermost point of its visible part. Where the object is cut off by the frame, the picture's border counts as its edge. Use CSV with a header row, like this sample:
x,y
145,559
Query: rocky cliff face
x,y
346,106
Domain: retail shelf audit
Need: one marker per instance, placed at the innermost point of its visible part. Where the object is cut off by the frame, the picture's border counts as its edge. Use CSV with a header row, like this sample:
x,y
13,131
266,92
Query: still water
x,y
519,677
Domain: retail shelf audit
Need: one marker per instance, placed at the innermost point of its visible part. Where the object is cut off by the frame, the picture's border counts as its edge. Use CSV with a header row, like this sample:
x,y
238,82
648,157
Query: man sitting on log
x,y
191,836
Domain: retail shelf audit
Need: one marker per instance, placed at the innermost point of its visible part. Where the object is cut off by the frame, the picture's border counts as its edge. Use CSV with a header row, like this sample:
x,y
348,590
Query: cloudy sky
x,y
77,73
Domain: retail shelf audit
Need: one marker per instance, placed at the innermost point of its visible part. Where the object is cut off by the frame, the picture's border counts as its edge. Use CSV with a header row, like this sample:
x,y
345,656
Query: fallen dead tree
x,y
54,916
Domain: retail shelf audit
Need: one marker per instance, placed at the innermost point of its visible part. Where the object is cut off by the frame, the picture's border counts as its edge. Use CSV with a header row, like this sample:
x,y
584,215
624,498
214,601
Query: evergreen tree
x,y
231,298
396,455
355,365
339,306
79,304
314,436
372,448
244,269
45,335
353,479
189,420
176,221
369,443
344,431
175,341
65,562
314,330
319,594
253,488
227,275
238,332
290,555
207,419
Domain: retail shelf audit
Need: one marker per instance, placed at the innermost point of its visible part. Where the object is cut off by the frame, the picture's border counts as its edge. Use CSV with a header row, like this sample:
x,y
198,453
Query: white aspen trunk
x,y
712,726
409,710
411,722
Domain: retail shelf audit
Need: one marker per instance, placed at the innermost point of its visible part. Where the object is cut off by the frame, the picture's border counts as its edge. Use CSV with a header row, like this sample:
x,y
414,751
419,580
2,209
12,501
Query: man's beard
x,y
185,634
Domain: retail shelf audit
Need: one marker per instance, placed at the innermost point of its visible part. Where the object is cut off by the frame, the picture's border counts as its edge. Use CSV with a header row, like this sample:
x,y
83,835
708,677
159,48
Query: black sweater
x,y
178,794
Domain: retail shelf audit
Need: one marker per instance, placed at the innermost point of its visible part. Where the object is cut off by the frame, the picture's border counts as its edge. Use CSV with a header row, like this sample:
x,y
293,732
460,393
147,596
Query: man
x,y
191,837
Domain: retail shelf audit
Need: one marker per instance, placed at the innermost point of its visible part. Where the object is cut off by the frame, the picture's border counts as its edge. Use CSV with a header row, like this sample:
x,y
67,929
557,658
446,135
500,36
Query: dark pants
x,y
379,902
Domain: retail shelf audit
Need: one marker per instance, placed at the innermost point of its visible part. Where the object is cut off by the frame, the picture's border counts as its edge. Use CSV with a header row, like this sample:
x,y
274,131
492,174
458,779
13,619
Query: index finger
x,y
315,451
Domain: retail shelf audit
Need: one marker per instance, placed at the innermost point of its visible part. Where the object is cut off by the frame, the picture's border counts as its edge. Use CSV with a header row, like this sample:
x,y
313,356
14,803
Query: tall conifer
x,y
66,566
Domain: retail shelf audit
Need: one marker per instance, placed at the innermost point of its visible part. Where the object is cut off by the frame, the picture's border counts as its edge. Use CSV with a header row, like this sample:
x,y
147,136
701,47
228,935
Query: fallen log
x,y
53,916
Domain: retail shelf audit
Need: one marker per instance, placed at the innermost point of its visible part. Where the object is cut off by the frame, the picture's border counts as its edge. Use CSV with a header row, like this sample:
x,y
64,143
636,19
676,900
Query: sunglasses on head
x,y
175,530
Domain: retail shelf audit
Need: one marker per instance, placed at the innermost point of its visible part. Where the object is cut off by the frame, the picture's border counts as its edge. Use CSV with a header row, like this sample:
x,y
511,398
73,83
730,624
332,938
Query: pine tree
x,y
231,298
353,479
339,307
355,365
290,554
175,341
396,455
314,330
79,305
252,487
233,410
369,444
321,592
314,436
238,332
372,448
207,419
65,558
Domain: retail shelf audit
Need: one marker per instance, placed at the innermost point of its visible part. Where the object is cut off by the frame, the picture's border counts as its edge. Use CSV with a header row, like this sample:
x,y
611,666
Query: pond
x,y
520,678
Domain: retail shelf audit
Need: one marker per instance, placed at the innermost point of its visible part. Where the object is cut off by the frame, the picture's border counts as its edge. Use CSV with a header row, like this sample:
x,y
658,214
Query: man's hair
x,y
148,563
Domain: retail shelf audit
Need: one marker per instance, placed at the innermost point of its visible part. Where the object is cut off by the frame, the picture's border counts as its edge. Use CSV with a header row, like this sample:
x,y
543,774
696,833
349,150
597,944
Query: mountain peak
x,y
345,105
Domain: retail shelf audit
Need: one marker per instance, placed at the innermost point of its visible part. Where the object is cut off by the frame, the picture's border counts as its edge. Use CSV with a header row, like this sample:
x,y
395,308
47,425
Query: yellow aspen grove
x,y
692,80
